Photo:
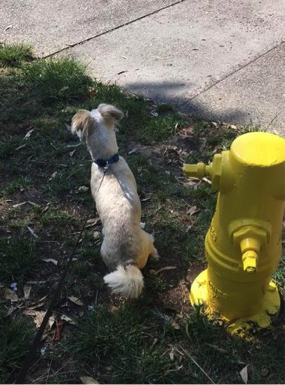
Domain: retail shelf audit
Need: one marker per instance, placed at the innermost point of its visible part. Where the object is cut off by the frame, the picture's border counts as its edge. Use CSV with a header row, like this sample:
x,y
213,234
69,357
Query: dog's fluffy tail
x,y
126,281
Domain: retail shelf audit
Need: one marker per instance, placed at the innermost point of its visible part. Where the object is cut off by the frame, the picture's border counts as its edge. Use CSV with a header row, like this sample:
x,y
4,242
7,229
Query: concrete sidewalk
x,y
217,59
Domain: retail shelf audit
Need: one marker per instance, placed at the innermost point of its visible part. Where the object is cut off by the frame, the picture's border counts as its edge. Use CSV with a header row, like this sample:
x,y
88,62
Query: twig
x,y
272,120
44,376
196,363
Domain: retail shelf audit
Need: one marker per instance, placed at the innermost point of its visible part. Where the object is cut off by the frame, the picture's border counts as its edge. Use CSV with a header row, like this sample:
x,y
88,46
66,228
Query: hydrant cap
x,y
259,149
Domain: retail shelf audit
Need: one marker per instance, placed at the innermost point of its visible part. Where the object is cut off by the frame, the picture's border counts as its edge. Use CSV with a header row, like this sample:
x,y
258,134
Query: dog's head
x,y
85,122
96,128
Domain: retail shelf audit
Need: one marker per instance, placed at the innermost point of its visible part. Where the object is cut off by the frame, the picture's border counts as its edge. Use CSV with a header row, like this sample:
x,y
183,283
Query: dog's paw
x,y
154,255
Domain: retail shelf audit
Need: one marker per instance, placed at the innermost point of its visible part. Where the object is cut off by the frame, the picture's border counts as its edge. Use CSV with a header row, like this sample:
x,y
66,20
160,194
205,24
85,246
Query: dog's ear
x,y
83,124
110,114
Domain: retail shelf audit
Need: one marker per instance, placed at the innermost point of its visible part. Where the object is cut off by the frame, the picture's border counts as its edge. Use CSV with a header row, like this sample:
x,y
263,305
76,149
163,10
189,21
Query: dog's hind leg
x,y
153,253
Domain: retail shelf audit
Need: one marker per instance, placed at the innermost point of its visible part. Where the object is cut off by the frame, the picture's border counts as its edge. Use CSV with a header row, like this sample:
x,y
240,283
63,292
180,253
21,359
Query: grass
x,y
121,339
17,256
279,276
16,338
158,338
13,55
54,81
160,128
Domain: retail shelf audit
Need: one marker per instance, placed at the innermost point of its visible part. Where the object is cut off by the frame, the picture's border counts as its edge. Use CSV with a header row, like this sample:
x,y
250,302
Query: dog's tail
x,y
126,281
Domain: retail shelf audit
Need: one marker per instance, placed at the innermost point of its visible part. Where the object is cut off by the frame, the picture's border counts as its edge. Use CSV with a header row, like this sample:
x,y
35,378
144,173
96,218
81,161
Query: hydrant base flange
x,y
263,319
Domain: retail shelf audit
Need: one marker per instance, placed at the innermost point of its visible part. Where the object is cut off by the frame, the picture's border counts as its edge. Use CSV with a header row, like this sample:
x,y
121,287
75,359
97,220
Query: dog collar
x,y
108,162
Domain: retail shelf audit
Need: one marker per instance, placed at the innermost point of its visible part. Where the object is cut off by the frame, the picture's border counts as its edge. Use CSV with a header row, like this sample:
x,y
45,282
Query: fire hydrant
x,y
243,245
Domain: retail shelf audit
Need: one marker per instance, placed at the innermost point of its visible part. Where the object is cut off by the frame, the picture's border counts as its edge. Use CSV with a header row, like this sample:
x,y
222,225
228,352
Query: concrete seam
x,y
112,29
237,70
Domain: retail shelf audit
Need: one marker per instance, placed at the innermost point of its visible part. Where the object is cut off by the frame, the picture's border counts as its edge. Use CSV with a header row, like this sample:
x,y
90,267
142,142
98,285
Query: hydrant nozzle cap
x,y
195,170
249,259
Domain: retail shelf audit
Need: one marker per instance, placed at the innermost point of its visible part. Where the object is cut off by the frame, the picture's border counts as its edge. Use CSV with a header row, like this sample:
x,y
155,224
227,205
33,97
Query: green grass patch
x,y
15,341
121,339
17,256
279,276
55,81
13,55
160,128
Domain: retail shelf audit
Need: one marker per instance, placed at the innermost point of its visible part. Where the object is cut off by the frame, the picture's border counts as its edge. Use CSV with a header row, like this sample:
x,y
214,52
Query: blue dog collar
x,y
108,162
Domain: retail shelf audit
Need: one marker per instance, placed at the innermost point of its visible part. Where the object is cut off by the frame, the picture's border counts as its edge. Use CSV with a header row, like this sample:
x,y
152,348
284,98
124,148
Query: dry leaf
x,y
36,282
96,235
175,325
65,318
58,331
38,316
132,151
83,189
50,260
145,199
28,134
10,295
51,321
193,210
155,272
92,222
217,348
19,204
27,291
32,232
35,306
88,380
244,374
75,300
20,147
72,153
188,228
46,208
207,180
53,176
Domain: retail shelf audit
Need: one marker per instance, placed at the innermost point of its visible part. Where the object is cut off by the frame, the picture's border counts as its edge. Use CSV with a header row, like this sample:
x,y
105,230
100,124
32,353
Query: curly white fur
x,y
126,247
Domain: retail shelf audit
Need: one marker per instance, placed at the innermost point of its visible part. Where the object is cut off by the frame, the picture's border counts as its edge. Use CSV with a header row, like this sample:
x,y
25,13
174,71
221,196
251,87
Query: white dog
x,y
126,247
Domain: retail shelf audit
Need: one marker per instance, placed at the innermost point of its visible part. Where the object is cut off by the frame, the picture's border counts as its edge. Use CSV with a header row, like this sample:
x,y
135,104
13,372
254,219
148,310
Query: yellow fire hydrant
x,y
243,244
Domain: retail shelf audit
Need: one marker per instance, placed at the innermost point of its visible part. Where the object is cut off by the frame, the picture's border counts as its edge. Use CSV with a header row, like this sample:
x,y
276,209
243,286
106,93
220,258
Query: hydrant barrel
x,y
243,244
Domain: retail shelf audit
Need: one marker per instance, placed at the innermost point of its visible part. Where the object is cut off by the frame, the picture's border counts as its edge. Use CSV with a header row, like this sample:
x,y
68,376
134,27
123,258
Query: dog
x,y
126,246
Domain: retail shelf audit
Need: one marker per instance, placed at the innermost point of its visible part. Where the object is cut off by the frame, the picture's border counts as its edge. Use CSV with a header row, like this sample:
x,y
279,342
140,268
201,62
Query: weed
x,y
13,55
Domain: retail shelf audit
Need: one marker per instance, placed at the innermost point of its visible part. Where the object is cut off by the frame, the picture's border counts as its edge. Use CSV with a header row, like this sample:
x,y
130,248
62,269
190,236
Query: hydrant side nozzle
x,y
195,170
249,260
250,248
250,239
